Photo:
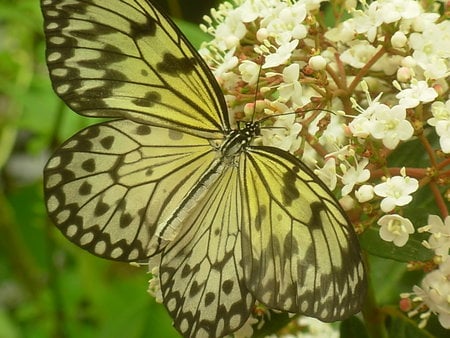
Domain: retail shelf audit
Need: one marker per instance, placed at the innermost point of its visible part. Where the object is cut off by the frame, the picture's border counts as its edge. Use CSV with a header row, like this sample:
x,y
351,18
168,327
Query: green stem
x,y
374,318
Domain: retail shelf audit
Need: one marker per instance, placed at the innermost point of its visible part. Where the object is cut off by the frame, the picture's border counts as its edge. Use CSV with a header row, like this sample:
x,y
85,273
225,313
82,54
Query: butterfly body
x,y
227,222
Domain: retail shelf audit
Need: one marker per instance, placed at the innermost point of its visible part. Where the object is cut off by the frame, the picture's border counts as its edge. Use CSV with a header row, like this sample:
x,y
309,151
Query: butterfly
x,y
231,223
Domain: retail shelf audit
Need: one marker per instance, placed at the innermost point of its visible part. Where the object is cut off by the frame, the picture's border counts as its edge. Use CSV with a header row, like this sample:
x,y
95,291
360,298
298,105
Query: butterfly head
x,y
238,139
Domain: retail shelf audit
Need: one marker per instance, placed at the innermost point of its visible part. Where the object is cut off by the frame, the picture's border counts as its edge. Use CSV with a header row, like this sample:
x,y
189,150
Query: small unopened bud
x,y
347,203
262,34
317,62
364,193
399,39
404,74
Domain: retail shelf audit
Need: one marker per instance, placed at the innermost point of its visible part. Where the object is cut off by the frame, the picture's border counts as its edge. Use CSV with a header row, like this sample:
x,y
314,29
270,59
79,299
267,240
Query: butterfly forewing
x,y
125,59
109,186
302,254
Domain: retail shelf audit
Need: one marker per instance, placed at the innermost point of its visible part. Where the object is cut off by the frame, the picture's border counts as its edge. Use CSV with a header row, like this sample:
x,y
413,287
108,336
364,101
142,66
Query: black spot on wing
x,y
145,29
125,220
175,135
85,189
107,142
186,271
148,100
316,209
227,286
195,288
289,189
174,66
100,209
209,298
259,218
143,130
89,165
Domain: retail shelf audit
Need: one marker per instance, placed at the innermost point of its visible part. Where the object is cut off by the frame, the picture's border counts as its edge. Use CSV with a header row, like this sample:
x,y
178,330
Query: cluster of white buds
x,y
383,68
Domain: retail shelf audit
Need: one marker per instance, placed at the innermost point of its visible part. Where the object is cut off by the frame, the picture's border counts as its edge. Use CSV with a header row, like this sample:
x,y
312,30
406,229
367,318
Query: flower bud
x,y
404,74
317,62
399,39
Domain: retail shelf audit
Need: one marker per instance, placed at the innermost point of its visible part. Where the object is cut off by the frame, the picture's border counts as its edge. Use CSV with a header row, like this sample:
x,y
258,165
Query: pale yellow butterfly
x,y
231,223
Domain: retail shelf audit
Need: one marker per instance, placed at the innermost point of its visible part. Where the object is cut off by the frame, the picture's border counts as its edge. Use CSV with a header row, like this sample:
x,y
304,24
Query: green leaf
x,y
193,32
353,327
412,251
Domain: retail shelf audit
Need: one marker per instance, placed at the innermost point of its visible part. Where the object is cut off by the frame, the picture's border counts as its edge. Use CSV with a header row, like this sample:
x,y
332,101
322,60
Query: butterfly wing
x,y
201,272
301,253
125,59
110,186
266,229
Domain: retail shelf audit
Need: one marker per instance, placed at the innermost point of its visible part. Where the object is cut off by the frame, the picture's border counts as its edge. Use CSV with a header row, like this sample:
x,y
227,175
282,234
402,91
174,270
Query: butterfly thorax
x,y
238,139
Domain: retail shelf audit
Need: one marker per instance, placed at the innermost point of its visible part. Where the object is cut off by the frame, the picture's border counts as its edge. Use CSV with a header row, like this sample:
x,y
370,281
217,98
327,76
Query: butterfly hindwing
x,y
127,60
110,186
301,253
201,273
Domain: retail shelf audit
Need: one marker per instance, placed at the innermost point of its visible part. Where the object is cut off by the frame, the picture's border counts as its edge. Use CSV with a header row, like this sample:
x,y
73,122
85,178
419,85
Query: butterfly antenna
x,y
297,113
256,94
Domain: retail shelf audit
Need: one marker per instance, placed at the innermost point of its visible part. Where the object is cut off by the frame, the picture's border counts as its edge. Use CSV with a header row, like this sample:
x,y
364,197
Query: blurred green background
x,y
48,287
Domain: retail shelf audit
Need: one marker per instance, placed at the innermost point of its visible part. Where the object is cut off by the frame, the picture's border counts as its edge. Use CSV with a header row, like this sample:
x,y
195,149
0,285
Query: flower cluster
x,y
383,70
433,296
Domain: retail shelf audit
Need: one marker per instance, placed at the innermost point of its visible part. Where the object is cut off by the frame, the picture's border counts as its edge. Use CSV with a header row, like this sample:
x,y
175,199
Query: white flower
x,y
359,53
327,173
360,126
311,328
418,92
367,21
334,134
439,241
231,32
284,134
440,111
435,293
443,130
291,88
362,123
249,71
431,51
441,121
390,125
396,191
286,24
316,328
396,229
154,286
394,10
228,63
354,175
281,55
